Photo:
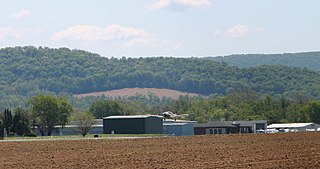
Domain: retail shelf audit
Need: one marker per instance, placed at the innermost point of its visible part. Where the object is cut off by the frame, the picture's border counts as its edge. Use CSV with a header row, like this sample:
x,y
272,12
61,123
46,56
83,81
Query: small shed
x,y
178,127
138,124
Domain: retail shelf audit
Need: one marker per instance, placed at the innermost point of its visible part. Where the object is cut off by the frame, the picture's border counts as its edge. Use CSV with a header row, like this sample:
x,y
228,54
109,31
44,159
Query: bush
x,y
11,134
30,135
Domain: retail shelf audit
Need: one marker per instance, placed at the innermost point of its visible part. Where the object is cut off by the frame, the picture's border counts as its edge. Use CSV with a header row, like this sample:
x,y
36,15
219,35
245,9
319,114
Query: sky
x,y
146,28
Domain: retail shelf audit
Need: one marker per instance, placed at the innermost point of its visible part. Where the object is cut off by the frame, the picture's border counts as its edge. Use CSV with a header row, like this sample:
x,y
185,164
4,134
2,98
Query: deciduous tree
x,y
104,108
48,111
7,120
84,121
20,122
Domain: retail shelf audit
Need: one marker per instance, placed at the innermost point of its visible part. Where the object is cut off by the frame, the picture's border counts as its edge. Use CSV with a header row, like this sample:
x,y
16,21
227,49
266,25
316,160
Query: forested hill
x,y
26,71
309,60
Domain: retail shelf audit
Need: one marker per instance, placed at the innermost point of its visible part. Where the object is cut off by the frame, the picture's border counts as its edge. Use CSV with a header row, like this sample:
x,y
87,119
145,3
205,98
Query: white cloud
x,y
237,31
195,3
14,33
89,34
21,14
217,32
159,4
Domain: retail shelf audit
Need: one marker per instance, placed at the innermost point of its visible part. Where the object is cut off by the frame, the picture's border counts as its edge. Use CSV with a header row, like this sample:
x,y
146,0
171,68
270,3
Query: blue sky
x,y
163,27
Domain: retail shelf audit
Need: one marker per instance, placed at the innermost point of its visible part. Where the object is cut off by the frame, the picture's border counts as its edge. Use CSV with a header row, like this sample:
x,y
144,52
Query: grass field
x,y
89,136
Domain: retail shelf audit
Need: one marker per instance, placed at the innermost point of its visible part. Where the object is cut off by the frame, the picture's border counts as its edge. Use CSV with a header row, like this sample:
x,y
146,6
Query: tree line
x,y
310,60
29,71
249,105
47,111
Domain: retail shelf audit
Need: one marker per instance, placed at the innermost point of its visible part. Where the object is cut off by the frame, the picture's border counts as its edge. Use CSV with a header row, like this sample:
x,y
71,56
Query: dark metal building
x,y
140,124
218,127
228,127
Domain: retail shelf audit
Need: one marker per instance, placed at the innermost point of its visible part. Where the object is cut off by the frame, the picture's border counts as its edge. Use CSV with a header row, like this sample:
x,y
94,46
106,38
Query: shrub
x,y
30,135
11,134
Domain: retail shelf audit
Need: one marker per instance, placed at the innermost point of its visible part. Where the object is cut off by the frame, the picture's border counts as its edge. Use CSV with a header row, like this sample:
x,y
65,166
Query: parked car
x,y
260,131
310,129
294,130
284,130
272,131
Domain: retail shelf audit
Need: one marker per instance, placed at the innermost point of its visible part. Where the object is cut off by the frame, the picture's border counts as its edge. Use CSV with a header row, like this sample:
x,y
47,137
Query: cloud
x,y
159,4
194,3
21,14
16,33
217,32
89,34
237,31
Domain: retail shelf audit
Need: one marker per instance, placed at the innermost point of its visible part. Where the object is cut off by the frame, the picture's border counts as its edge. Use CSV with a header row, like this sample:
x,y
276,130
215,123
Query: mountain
x,y
27,71
310,60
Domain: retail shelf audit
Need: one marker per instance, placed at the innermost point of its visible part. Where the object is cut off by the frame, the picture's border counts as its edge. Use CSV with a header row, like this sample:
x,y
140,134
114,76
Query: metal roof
x,y
177,121
216,124
231,123
176,124
289,125
96,122
248,123
74,126
131,117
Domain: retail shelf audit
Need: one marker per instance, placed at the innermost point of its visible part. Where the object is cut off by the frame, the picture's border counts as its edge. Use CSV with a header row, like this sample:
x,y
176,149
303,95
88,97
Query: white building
x,y
72,129
294,126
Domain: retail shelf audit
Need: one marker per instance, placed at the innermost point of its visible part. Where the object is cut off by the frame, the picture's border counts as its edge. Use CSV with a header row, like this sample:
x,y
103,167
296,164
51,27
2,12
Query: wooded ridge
x,y
27,71
310,60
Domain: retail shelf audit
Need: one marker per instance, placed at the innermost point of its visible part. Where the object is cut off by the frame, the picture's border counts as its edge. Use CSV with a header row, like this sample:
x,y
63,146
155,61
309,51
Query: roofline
x,y
131,117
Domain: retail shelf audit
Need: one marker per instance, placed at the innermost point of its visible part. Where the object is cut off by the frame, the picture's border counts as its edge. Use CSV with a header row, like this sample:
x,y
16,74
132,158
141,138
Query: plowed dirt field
x,y
288,150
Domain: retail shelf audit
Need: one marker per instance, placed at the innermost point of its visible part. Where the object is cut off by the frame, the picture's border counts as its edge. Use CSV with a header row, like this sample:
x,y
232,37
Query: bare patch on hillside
x,y
173,94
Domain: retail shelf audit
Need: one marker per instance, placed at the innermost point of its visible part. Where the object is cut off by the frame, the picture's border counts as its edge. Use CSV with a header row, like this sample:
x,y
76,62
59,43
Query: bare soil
x,y
288,150
173,94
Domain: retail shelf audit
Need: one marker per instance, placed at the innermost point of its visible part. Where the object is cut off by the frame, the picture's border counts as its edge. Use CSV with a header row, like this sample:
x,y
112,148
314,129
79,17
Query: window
x,y
214,131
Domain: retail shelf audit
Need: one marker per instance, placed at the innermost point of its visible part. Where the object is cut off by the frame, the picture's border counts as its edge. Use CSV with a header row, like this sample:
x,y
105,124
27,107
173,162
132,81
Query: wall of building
x,y
153,125
71,130
147,125
178,129
124,126
206,130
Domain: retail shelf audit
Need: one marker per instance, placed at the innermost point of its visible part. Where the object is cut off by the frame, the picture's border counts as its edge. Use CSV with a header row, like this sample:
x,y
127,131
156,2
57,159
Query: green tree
x,y
103,108
48,111
20,122
313,108
84,122
1,129
297,113
64,108
7,120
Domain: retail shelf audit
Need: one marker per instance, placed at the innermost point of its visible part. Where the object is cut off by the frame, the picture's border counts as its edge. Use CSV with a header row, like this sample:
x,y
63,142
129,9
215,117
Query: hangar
x,y
138,124
294,126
